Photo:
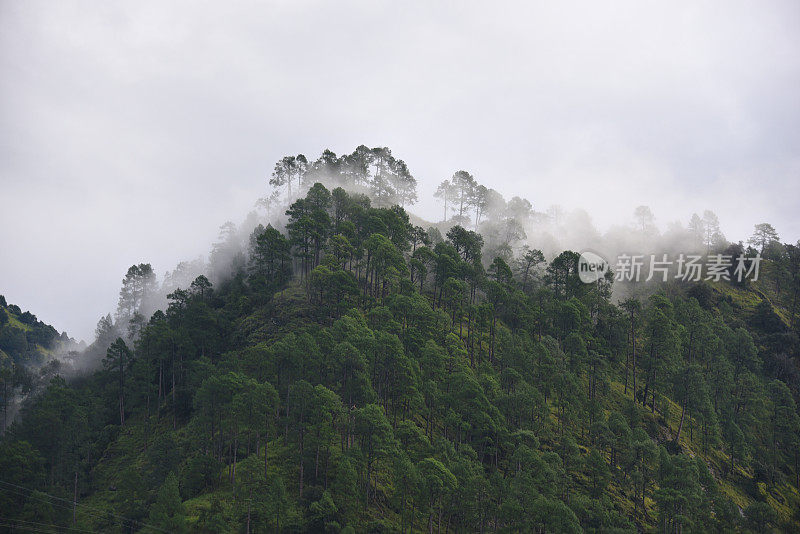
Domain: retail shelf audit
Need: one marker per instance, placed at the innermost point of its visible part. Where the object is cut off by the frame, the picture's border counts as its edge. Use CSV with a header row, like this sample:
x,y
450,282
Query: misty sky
x,y
130,131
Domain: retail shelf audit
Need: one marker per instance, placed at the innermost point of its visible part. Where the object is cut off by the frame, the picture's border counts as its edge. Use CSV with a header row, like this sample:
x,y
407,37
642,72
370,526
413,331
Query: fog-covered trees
x,y
463,184
351,371
645,221
375,171
135,297
712,235
445,193
287,170
763,234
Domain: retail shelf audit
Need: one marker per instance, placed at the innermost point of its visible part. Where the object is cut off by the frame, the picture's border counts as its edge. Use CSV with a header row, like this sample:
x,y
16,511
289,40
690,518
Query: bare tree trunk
x,y
633,354
174,407
5,405
680,425
235,451
249,500
75,500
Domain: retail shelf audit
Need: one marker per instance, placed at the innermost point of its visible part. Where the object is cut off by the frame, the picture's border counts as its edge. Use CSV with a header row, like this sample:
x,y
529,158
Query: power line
x,y
42,498
49,525
93,512
84,506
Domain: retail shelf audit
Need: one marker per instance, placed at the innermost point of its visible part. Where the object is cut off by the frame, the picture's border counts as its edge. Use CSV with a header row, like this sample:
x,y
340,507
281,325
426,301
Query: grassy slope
x,y
14,321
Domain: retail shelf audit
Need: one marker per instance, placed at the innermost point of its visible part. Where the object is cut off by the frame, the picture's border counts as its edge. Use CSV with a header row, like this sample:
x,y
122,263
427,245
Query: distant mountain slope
x,y
27,345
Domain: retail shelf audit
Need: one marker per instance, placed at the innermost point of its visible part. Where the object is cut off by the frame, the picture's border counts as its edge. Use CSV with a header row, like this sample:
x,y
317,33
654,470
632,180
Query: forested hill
x,y
356,373
28,350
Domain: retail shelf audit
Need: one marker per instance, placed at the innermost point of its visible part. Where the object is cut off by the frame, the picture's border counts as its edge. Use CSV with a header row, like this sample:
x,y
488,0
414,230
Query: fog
x,y
129,133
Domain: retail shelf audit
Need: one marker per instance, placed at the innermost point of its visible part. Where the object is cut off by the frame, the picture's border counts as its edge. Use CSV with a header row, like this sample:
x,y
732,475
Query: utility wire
x,y
84,506
96,515
48,525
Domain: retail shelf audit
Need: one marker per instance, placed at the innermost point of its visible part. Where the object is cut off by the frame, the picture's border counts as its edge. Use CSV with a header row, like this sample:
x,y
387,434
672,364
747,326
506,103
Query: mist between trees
x,y
524,237
456,373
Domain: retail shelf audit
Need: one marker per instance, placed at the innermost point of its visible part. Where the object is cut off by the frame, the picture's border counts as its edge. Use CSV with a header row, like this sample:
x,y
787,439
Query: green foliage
x,y
358,373
168,512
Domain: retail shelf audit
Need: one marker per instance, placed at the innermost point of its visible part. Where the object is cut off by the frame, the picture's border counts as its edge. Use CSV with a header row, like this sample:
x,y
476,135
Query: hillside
x,y
354,372
27,356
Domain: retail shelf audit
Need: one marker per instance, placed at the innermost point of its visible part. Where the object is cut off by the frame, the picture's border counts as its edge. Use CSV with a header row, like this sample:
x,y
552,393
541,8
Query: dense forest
x,y
340,365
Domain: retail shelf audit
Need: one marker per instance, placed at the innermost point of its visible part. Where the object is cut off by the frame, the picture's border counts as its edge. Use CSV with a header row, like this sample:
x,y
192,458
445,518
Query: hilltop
x,y
351,371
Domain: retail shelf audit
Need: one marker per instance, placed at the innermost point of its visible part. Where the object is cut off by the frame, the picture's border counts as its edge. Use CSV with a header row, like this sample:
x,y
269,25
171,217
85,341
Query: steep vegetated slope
x,y
31,353
354,372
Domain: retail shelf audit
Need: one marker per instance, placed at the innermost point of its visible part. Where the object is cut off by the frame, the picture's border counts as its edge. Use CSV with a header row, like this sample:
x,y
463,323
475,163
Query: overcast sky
x,y
130,131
